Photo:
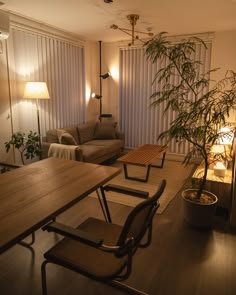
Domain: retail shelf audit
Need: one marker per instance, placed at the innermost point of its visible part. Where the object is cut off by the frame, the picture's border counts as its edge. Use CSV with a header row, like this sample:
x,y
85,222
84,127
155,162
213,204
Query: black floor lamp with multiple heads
x,y
101,77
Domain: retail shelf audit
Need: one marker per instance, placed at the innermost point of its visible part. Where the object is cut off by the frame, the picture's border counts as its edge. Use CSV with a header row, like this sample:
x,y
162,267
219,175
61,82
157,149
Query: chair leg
x,y
43,277
126,288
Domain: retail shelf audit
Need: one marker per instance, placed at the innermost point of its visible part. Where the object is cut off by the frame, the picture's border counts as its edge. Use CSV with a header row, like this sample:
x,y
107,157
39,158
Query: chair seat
x,y
86,259
85,254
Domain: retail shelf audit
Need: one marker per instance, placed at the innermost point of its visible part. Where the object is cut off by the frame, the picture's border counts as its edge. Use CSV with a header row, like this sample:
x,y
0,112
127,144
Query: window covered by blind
x,y
141,122
40,57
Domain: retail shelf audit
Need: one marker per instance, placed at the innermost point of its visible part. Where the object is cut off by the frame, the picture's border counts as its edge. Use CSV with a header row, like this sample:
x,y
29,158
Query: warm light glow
x,y
88,93
36,90
114,72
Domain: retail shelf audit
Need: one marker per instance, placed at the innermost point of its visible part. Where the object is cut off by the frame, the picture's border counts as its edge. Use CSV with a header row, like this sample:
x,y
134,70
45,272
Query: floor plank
x,y
181,260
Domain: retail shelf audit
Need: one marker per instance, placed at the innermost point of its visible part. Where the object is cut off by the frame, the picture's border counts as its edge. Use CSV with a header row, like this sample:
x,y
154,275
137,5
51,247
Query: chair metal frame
x,y
128,243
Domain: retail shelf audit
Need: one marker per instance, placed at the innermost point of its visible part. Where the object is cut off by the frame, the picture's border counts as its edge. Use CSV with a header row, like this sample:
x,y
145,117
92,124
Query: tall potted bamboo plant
x,y
201,107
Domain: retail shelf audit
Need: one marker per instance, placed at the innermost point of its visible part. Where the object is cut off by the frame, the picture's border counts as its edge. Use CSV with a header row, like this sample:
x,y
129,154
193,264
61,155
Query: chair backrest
x,y
139,221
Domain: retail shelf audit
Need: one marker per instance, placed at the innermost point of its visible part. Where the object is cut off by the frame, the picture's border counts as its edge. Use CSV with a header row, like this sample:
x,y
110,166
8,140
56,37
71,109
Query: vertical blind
x,y
141,122
37,57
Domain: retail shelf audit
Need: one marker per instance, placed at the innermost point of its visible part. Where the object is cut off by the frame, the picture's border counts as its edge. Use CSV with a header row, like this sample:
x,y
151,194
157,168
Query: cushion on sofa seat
x,y
105,130
67,138
113,144
91,152
85,132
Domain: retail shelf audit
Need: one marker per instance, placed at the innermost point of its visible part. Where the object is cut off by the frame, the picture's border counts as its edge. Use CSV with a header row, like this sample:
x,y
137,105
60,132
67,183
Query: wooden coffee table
x,y
145,156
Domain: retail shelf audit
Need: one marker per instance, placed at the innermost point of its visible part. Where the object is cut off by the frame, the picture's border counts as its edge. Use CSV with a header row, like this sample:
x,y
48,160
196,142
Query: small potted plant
x,y
201,108
28,145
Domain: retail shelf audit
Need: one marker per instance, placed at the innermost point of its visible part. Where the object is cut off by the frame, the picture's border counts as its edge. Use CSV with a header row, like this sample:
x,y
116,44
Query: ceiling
x,y
91,19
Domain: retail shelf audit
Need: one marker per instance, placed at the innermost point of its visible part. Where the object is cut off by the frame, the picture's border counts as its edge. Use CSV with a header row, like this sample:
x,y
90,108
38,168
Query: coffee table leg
x,y
136,178
162,162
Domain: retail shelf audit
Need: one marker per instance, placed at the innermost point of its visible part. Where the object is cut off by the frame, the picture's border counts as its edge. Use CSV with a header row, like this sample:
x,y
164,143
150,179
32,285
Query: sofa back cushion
x,y
105,130
52,136
85,132
67,138
71,130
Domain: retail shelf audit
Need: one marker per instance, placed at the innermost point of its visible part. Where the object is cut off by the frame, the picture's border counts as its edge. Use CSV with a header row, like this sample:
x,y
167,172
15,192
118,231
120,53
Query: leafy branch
x,y
28,146
200,111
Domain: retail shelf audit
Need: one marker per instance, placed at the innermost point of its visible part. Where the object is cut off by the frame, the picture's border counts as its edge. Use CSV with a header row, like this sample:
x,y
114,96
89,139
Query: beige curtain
x,y
141,123
35,56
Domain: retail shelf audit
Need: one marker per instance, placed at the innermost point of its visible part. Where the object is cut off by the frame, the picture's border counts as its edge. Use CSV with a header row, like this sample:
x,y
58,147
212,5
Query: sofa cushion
x,y
52,136
71,130
67,138
108,144
91,152
85,132
105,130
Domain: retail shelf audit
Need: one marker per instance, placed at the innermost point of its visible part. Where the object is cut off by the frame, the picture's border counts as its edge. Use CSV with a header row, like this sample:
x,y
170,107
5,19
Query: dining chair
x,y
104,251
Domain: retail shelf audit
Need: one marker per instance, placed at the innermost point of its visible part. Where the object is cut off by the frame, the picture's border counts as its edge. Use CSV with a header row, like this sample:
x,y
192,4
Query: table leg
x,y
136,178
162,162
28,244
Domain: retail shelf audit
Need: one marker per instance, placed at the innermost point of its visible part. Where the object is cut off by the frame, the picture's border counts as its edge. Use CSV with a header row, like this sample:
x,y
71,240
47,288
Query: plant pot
x,y
199,215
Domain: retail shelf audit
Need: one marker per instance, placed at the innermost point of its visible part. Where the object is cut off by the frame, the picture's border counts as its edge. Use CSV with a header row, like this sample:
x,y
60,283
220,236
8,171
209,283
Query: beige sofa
x,y
93,142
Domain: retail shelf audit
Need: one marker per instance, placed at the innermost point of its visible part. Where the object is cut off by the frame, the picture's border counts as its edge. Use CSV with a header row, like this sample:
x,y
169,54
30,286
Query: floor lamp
x,y
36,90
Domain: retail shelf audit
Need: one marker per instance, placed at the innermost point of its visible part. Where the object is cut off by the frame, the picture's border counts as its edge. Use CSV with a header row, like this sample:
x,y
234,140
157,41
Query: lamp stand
x,y
39,131
100,75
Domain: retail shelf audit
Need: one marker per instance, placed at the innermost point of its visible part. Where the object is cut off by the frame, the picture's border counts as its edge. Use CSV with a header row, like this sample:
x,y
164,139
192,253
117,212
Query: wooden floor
x,y
180,260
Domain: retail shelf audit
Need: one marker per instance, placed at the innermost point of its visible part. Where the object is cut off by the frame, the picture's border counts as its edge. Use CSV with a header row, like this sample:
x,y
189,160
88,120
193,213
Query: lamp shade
x,y
36,90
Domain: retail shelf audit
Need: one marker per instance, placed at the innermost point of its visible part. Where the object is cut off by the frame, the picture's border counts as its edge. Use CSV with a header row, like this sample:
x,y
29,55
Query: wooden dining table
x,y
34,194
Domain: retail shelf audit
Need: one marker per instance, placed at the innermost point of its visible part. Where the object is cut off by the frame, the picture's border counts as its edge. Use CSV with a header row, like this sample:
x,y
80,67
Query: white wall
x,y
92,79
224,52
111,85
224,57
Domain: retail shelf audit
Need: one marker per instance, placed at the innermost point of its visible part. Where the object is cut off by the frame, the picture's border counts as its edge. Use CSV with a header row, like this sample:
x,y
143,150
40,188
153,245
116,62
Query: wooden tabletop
x,y
34,194
144,155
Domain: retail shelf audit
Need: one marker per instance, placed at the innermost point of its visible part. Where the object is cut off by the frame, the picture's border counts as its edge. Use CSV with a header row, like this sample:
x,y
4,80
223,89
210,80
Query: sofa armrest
x,y
46,146
79,154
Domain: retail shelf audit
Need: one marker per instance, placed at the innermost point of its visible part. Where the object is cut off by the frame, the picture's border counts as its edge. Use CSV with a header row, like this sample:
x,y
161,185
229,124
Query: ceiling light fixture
x,y
131,32
108,1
